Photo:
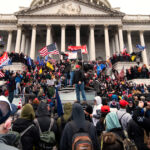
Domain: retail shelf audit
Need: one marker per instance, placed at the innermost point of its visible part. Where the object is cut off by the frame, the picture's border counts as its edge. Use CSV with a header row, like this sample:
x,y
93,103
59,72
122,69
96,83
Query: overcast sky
x,y
127,6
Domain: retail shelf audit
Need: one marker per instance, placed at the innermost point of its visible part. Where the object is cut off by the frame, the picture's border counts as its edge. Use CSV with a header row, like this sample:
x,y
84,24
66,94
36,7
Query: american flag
x,y
50,49
2,74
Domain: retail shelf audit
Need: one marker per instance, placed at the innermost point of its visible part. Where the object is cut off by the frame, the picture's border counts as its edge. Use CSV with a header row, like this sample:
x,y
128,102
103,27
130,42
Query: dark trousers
x,y
11,96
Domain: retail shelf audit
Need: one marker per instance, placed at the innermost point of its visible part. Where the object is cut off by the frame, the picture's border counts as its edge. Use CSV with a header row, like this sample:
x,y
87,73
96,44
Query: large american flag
x,y
50,49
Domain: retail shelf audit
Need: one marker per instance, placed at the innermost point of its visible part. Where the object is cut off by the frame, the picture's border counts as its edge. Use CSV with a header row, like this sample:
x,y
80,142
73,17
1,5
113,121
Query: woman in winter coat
x,y
31,137
78,122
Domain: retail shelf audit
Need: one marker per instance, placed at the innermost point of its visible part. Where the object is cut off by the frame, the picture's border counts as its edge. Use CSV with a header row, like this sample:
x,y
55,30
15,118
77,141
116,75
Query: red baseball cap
x,y
77,66
105,109
123,103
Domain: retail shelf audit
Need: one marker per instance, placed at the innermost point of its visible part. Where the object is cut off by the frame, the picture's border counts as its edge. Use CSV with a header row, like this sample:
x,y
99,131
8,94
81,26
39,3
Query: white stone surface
x,y
140,81
119,65
16,67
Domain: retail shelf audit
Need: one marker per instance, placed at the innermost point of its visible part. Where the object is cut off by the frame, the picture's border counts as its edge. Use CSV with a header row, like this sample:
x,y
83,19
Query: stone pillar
x,y
121,38
49,35
27,46
18,39
63,29
144,55
129,42
92,43
117,43
23,42
33,41
77,35
9,41
107,46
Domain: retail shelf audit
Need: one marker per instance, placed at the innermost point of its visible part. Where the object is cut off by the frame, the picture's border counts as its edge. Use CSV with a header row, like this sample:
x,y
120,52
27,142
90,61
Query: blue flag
x,y
42,63
59,104
46,58
38,59
140,47
29,61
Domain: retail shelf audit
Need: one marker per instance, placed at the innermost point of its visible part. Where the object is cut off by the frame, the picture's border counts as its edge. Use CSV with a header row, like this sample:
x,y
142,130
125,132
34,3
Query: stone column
x,y
49,35
121,38
92,43
23,42
107,46
9,41
77,35
144,55
33,41
129,42
117,43
63,28
18,39
27,46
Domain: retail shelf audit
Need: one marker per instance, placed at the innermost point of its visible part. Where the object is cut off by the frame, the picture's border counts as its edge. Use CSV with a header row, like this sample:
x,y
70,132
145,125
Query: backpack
x,y
47,138
81,139
18,135
127,143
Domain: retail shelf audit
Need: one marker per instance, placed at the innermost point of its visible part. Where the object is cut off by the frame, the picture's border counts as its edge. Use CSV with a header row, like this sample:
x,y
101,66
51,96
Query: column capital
x,y
77,25
92,25
141,31
106,25
120,26
34,25
63,25
10,31
129,31
19,25
48,25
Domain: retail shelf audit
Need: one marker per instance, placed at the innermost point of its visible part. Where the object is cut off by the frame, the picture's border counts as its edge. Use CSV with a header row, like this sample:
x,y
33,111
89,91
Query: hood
x,y
67,108
78,115
98,100
27,112
112,121
42,110
21,124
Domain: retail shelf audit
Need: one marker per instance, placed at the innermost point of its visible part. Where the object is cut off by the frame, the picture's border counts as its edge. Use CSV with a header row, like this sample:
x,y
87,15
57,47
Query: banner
x,y
4,60
83,48
71,55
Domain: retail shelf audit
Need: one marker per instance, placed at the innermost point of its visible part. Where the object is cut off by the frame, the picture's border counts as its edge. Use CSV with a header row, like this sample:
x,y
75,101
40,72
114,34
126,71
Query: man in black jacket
x,y
78,80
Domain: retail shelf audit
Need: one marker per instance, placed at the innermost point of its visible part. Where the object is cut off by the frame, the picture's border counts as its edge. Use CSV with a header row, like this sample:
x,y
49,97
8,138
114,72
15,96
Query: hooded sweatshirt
x,y
79,122
96,109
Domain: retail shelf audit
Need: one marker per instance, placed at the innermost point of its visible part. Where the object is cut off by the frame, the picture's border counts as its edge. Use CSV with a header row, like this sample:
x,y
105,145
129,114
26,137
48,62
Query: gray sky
x,y
127,6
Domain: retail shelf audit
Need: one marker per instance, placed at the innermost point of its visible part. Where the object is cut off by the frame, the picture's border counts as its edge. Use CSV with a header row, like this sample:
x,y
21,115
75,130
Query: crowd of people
x,y
119,118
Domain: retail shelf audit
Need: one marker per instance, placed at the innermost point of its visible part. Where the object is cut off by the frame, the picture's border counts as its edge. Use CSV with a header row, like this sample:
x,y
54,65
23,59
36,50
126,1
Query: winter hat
x,y
27,112
5,109
123,103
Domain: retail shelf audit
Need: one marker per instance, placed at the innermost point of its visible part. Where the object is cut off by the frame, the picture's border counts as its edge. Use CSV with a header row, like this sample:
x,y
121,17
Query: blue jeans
x,y
71,77
80,87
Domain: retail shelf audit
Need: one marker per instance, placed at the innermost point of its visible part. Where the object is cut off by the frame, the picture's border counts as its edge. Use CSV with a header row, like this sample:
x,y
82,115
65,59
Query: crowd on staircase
x,y
118,119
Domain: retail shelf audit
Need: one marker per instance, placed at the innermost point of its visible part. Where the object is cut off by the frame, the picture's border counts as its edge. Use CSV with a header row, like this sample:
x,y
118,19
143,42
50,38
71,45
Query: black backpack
x,y
81,139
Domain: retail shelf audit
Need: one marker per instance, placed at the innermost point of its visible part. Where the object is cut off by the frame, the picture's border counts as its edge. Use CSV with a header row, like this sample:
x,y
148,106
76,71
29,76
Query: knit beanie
x,y
27,112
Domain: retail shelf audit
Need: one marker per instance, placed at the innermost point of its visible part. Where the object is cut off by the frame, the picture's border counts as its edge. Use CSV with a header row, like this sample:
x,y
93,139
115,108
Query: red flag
x,y
83,48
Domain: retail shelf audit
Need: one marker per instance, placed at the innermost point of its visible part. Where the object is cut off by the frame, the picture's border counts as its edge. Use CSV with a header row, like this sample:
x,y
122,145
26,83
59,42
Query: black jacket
x,y
31,137
136,133
79,123
78,76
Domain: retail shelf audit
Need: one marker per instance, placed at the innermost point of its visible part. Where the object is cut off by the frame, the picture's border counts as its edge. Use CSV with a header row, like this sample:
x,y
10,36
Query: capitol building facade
x,y
105,30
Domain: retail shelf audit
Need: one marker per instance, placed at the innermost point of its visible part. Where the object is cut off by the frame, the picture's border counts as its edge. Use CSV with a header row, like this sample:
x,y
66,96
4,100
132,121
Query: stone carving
x,y
69,8
39,2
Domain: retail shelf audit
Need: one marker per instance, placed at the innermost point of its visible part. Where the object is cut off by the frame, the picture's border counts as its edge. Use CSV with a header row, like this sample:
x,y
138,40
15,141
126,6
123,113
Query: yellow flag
x,y
50,66
133,57
40,71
